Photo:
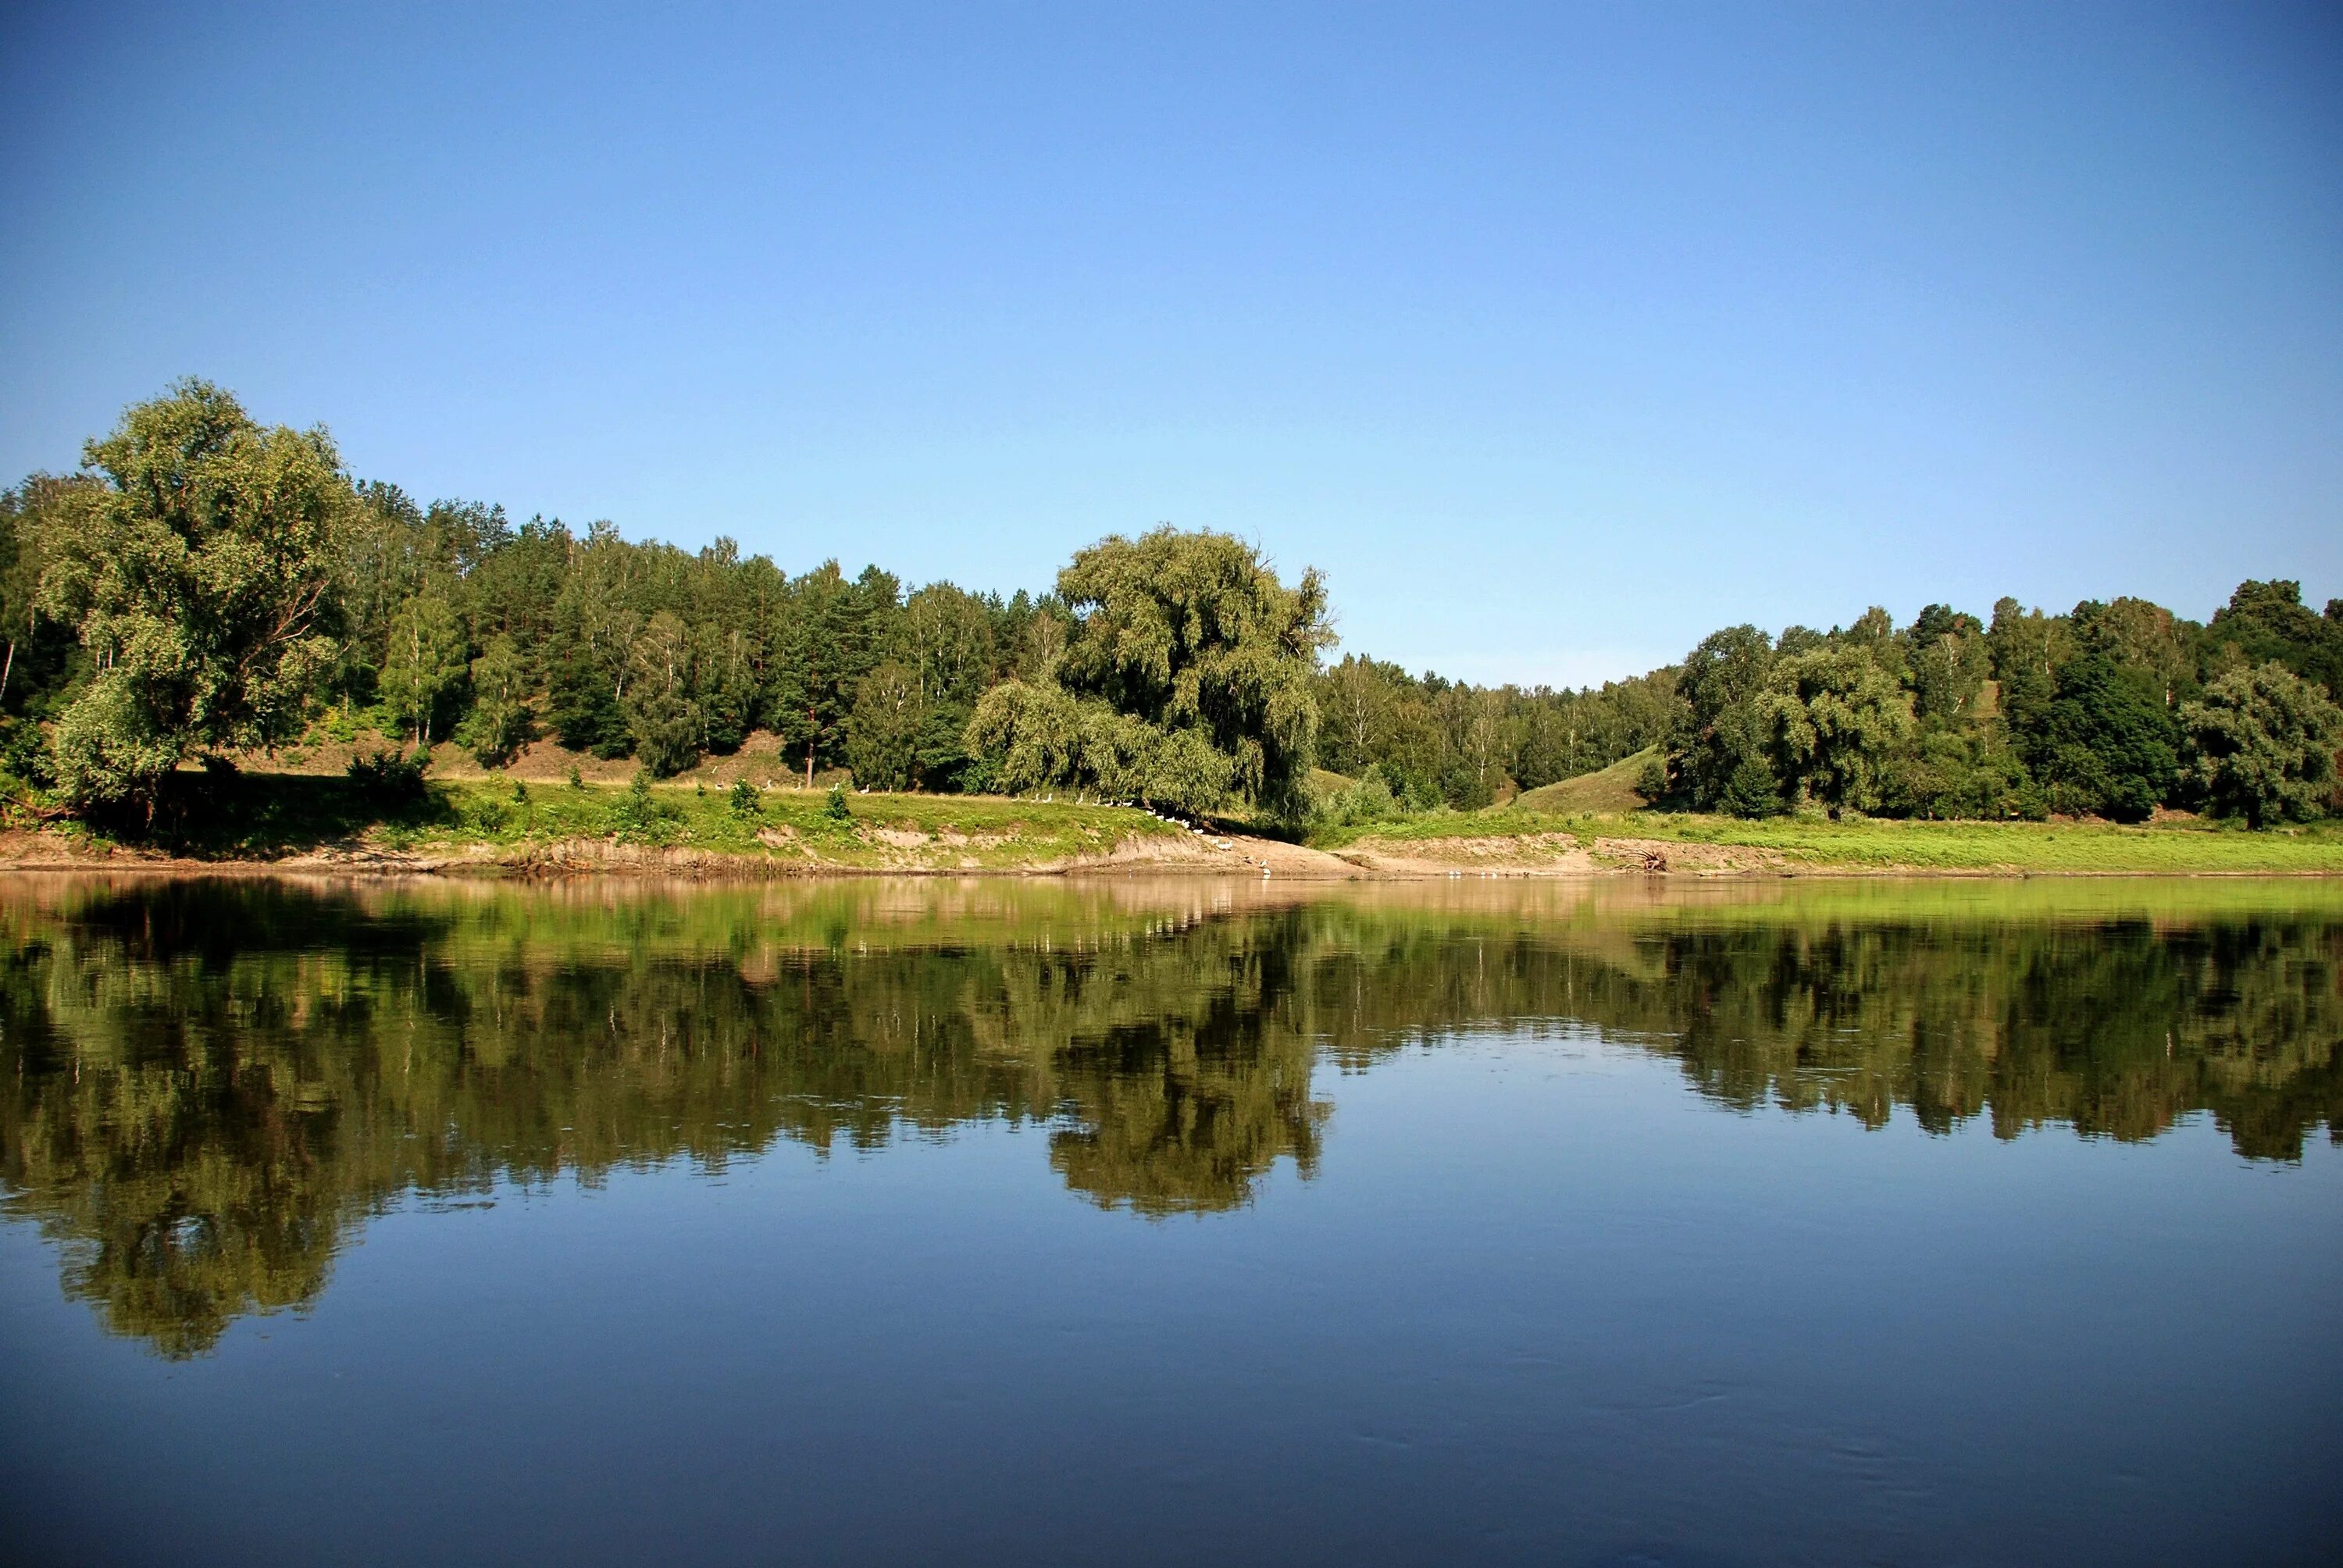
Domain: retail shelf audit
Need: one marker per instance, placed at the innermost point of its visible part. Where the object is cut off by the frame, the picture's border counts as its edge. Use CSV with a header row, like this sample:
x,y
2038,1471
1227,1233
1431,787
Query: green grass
x,y
2097,847
268,816
265,816
1606,789
1868,844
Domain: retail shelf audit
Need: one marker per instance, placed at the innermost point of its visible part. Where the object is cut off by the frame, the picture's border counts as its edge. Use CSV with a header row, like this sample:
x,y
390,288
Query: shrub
x,y
1368,799
391,776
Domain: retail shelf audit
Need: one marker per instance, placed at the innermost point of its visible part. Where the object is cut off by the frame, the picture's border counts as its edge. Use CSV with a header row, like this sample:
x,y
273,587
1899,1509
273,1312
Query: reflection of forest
x,y
202,1083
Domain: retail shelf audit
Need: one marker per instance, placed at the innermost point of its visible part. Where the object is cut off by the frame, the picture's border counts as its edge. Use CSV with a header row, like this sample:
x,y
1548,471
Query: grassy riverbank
x,y
1723,843
271,818
491,824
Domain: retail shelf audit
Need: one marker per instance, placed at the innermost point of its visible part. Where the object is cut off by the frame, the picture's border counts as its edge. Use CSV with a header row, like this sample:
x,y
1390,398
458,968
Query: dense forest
x,y
203,586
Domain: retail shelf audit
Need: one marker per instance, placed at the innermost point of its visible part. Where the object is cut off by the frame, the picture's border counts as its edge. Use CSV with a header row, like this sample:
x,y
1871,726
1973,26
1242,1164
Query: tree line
x,y
2112,710
204,585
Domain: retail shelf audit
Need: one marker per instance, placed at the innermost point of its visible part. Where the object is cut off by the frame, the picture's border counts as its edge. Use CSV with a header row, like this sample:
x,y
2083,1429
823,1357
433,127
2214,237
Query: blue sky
x,y
1557,337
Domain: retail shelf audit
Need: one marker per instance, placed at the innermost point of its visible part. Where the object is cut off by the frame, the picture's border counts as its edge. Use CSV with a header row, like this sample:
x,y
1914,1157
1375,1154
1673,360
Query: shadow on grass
x,y
241,816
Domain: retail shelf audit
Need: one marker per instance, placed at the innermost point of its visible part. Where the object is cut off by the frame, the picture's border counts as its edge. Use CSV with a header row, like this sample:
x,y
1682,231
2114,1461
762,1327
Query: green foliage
x,y
2146,640
1365,800
1652,780
641,818
2268,621
390,778
1948,659
835,807
1186,679
500,722
1950,774
834,633
2264,743
661,706
199,574
40,660
2105,745
1044,737
744,801
1834,718
423,665
1719,749
204,578
885,728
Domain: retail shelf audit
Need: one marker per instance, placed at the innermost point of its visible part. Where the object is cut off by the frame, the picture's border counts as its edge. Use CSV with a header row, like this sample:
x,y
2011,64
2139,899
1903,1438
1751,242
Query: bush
x,y
1751,791
393,777
1946,775
835,808
744,799
24,752
1368,799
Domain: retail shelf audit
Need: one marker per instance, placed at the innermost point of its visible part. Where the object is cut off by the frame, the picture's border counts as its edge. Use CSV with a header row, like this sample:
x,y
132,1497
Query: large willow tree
x,y
199,575
1184,681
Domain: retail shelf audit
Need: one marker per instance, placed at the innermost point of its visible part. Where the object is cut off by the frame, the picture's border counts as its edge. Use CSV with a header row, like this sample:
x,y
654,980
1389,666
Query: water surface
x,y
1851,1221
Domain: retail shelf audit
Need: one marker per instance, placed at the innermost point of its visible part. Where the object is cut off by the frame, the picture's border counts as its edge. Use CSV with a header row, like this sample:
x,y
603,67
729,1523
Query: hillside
x,y
1607,792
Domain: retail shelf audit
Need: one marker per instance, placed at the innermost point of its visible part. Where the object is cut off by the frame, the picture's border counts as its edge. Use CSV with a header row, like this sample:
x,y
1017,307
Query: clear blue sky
x,y
1557,337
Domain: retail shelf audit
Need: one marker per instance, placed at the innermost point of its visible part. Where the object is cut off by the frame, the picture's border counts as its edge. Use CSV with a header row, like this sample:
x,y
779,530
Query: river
x,y
1154,1220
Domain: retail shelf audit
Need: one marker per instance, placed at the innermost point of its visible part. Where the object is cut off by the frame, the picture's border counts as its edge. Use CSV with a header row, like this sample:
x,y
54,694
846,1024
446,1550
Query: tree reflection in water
x,y
204,1084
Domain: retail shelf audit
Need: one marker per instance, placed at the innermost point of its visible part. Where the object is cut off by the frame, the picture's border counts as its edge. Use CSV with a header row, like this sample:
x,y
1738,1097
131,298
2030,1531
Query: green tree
x,y
2146,639
1185,677
1946,655
2267,620
830,636
1719,755
424,664
1835,719
884,732
39,660
595,623
499,723
1947,774
2105,745
2028,648
2263,743
199,576
661,711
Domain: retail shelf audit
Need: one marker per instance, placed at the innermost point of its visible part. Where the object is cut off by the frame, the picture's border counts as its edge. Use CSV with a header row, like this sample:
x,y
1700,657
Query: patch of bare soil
x,y
1212,853
1661,855
1527,855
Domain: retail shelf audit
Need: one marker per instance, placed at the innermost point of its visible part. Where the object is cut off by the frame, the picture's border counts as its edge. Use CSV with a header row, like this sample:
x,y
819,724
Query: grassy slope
x,y
267,816
1606,790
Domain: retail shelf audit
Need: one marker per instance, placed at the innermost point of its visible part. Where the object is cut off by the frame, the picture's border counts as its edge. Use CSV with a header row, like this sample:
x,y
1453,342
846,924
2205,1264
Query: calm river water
x,y
1131,1221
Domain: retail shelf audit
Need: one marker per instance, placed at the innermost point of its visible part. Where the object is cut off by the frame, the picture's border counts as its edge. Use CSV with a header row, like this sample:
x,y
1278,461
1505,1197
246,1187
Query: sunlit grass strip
x,y
1876,844
877,830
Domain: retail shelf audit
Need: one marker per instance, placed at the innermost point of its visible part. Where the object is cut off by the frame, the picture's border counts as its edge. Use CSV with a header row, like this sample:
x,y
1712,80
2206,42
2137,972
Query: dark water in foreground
x,y
1948,1222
